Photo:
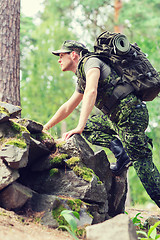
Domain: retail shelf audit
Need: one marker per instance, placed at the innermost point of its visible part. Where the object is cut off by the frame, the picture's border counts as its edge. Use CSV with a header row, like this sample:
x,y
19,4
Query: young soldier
x,y
127,120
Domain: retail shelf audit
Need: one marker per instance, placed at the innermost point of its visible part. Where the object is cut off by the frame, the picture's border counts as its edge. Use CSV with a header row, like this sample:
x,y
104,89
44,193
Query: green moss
x,y
89,214
17,127
59,158
4,111
99,182
17,143
60,144
75,204
73,161
23,121
53,171
43,136
56,215
81,170
84,172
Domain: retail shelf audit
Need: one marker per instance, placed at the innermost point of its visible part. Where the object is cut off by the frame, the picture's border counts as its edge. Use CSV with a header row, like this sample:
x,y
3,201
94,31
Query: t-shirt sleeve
x,y
92,63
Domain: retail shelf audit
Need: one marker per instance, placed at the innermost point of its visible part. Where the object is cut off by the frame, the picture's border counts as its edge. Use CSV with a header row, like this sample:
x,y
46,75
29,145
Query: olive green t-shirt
x,y
94,62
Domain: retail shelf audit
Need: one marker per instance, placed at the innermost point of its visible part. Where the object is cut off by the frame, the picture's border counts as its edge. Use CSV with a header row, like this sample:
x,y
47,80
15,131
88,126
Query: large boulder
x,y
52,205
15,196
38,173
7,175
32,126
14,156
117,228
11,109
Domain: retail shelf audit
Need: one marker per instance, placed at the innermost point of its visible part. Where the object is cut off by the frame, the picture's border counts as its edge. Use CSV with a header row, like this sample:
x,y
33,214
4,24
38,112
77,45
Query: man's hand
x,y
67,135
45,128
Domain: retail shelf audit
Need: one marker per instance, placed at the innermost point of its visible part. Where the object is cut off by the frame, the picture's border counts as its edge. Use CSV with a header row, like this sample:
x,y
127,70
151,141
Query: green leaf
x,y
76,214
152,228
70,219
138,215
153,233
142,233
72,233
135,220
66,212
145,238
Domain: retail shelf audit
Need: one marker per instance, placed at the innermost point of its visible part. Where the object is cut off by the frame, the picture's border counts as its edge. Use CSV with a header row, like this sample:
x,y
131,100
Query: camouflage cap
x,y
69,46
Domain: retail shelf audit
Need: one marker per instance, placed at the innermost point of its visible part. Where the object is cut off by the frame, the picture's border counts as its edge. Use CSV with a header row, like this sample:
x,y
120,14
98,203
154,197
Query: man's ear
x,y
74,55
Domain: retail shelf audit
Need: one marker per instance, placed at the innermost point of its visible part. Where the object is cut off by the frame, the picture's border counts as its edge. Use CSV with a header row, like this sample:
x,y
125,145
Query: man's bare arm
x,y
89,99
65,110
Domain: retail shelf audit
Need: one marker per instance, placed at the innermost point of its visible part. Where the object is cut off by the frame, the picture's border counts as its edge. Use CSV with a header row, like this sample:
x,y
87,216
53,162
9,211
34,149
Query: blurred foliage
x,y
44,88
138,195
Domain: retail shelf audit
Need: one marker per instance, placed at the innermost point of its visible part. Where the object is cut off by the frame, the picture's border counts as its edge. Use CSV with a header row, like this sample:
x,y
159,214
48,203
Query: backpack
x,y
130,63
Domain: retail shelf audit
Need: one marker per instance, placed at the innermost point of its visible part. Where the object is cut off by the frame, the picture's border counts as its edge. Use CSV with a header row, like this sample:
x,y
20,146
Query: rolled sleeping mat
x,y
121,44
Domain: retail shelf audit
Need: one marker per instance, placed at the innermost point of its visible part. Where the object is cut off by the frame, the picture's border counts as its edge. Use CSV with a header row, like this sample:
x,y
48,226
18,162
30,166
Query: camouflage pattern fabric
x,y
129,124
69,46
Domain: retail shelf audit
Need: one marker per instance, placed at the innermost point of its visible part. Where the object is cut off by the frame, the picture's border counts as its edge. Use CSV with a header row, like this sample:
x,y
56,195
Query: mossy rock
x,y
42,136
4,115
16,142
75,204
53,171
18,128
81,170
46,139
84,172
4,111
60,144
73,161
56,215
13,133
58,159
32,126
13,110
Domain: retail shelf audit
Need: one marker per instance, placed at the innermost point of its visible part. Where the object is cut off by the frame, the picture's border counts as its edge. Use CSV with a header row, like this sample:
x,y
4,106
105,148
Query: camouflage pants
x,y
129,125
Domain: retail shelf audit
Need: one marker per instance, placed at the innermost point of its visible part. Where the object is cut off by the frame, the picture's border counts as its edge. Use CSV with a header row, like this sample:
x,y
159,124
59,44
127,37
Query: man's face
x,y
65,61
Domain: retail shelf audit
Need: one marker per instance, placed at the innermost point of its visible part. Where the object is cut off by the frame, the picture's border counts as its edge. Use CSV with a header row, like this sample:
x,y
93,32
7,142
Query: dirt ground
x,y
18,227
146,212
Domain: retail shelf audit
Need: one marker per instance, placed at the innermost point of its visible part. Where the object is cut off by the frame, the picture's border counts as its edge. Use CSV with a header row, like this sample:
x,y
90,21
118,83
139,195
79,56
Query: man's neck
x,y
75,65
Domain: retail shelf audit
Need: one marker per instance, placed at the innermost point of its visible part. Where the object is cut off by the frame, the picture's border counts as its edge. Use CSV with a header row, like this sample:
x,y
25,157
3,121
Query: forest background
x,y
44,88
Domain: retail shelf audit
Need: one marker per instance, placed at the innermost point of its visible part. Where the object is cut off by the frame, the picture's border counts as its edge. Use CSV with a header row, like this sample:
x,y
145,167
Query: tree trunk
x,y
117,7
10,51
